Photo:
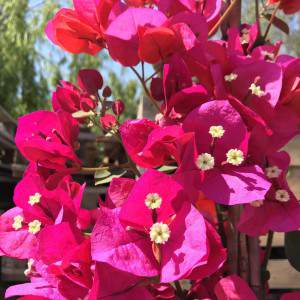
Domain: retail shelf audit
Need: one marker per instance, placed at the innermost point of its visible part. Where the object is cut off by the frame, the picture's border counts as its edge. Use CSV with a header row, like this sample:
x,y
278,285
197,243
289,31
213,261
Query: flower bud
x,y
108,122
118,107
106,92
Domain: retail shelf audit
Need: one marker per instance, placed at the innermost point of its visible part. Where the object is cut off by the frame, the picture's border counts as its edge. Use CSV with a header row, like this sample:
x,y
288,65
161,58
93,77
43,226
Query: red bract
x,y
233,288
48,138
210,9
62,267
74,34
275,213
221,156
122,33
288,6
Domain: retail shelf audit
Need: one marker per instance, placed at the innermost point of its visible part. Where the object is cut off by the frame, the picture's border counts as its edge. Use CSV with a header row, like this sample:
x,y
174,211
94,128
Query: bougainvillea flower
x,y
48,138
90,80
258,85
134,244
241,40
127,286
132,251
288,6
70,32
233,288
281,210
60,204
82,30
150,145
62,267
209,9
122,33
16,241
222,141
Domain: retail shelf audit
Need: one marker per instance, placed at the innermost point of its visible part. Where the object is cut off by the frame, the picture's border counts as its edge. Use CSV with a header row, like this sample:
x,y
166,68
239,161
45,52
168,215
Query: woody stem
x,y
223,18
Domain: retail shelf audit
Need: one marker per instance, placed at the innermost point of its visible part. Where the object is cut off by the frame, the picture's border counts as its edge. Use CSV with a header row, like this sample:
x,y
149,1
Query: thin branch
x,y
223,18
146,89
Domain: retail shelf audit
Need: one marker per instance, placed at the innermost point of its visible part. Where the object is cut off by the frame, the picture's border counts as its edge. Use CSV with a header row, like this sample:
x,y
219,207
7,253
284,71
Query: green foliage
x,y
31,66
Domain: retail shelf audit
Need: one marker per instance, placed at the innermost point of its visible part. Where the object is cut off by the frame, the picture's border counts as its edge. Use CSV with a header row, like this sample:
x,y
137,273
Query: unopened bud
x,y
106,92
118,107
108,122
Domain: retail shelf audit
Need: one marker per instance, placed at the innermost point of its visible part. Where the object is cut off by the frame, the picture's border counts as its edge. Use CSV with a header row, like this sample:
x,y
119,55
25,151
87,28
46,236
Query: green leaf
x,y
109,178
280,24
292,248
102,174
167,169
82,114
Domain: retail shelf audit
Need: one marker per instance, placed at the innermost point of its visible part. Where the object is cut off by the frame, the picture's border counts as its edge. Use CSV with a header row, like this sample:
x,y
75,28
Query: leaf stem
x,y
271,21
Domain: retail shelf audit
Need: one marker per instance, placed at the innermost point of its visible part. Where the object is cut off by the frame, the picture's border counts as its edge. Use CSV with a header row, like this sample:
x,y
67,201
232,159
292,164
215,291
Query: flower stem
x,y
223,17
179,290
146,88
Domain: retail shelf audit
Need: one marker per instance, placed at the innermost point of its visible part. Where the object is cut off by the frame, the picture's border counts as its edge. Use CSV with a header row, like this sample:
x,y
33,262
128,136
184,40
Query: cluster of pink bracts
x,y
226,110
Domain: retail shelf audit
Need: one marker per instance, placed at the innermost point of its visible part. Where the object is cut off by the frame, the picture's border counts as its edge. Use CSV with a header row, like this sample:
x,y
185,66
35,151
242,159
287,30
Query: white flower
x,y
205,161
34,199
17,224
34,226
235,157
230,77
159,233
273,172
216,131
256,90
153,201
282,196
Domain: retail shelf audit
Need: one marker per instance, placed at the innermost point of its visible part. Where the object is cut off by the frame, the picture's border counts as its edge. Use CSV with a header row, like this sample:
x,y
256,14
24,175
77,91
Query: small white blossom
x,y
34,226
235,157
273,172
34,199
205,161
216,131
256,90
230,77
153,201
17,224
282,196
160,233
